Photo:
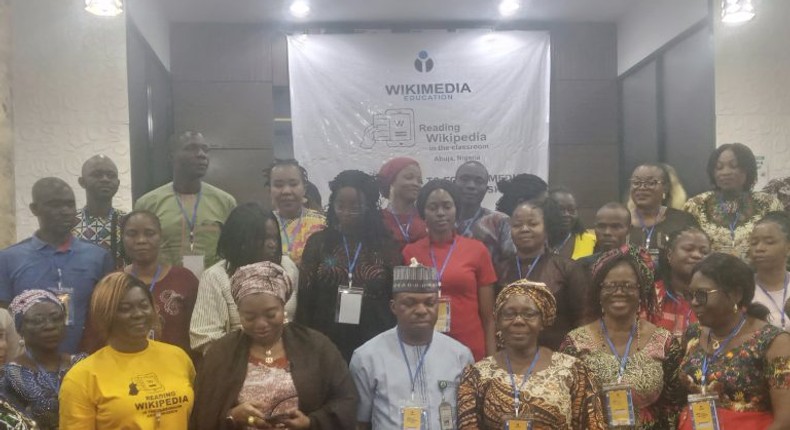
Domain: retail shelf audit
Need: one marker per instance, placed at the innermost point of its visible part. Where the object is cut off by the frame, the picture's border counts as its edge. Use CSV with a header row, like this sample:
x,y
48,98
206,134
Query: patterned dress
x,y
562,396
652,372
34,392
746,377
714,218
325,268
295,232
271,387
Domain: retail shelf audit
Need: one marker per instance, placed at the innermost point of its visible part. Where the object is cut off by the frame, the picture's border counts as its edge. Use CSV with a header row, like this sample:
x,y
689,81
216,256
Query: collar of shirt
x,y
39,244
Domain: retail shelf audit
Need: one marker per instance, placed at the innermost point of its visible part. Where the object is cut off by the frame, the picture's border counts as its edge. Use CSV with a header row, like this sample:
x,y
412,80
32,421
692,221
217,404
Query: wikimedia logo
x,y
423,63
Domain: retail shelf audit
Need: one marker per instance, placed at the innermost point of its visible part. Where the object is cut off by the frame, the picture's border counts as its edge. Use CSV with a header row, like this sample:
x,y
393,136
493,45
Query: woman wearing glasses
x,y
345,283
32,380
732,356
523,381
633,362
652,216
728,213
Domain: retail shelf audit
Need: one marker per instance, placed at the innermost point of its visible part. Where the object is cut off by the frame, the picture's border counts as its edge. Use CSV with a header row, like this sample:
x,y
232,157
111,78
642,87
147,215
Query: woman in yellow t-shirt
x,y
133,382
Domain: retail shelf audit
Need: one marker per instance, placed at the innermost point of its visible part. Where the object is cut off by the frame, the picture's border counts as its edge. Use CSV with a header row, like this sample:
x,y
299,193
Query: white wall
x,y
753,86
70,97
149,17
649,24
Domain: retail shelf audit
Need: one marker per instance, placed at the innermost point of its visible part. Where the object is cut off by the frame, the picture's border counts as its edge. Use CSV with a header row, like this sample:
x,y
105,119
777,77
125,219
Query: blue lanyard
x,y
403,231
289,239
624,359
707,361
470,222
190,222
531,266
564,242
153,281
734,221
351,263
517,388
53,383
784,298
648,233
440,271
413,376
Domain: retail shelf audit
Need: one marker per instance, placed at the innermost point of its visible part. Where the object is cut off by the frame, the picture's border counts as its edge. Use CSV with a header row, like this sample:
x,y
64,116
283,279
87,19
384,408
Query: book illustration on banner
x,y
394,127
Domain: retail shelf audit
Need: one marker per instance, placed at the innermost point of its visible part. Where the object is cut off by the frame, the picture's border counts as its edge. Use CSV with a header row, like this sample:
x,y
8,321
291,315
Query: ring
x,y
251,420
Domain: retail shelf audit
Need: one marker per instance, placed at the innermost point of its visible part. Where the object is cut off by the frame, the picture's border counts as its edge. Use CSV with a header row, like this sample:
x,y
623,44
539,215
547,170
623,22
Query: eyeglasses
x,y
530,315
353,211
700,296
625,287
41,321
652,183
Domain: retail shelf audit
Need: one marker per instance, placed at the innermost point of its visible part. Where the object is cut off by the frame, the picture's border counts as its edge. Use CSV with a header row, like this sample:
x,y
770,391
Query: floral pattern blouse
x,y
652,372
744,373
714,218
562,396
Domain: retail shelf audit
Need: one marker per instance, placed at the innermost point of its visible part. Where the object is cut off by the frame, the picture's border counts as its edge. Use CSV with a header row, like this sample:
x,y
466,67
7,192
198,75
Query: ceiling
x,y
398,11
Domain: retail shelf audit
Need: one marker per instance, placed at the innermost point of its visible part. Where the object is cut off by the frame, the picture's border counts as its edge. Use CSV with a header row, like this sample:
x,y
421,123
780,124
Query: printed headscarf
x,y
264,277
536,291
26,300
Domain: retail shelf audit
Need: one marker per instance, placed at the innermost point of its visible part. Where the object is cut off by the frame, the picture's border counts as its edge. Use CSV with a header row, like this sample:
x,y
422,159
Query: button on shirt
x,y
33,264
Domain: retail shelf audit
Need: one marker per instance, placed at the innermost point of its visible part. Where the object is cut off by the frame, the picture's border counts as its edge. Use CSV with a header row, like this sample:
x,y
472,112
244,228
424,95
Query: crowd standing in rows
x,y
429,312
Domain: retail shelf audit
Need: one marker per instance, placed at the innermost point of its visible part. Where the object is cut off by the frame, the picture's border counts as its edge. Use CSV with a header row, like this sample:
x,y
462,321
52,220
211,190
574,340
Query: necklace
x,y
269,358
716,343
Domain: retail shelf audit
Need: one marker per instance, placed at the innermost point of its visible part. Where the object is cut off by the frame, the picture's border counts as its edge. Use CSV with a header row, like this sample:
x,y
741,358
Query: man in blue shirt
x,y
54,260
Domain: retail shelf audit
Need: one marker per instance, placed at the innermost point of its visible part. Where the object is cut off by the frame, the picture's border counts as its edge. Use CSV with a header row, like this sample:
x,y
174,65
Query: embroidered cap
x,y
414,278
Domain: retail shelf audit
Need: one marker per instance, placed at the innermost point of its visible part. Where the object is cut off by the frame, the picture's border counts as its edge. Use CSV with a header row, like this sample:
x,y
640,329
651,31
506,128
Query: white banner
x,y
442,98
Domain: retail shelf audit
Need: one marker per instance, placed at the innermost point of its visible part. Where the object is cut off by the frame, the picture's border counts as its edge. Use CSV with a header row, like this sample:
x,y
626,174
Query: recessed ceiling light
x,y
104,7
300,8
736,11
509,7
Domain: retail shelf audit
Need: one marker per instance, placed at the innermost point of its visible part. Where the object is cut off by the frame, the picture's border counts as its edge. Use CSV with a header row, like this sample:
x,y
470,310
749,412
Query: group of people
x,y
429,312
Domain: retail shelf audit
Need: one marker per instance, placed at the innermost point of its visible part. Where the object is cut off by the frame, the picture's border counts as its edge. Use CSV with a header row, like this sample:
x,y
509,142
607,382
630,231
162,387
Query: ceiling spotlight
x,y
300,8
509,7
736,11
104,7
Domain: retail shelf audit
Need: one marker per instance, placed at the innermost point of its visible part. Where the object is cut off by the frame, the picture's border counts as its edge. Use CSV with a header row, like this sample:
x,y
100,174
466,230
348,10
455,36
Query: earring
x,y
285,321
735,308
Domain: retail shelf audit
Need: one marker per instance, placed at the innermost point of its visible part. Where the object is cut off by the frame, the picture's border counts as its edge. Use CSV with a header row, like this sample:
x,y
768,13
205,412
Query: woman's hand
x,y
242,413
296,420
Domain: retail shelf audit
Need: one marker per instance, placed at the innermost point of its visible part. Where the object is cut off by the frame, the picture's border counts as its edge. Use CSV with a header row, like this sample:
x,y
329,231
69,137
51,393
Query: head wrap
x,y
536,291
414,278
641,261
390,170
26,300
264,277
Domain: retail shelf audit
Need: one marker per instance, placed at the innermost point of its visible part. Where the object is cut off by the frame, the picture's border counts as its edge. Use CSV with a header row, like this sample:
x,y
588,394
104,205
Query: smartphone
x,y
277,419
401,127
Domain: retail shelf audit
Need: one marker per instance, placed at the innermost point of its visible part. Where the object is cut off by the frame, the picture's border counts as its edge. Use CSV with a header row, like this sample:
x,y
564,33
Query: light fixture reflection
x,y
509,7
300,8
104,7
736,11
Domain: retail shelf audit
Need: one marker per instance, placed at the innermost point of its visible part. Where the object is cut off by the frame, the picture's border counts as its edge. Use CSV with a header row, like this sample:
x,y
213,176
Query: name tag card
x,y
194,263
703,411
522,423
414,417
446,416
444,314
66,296
349,305
619,405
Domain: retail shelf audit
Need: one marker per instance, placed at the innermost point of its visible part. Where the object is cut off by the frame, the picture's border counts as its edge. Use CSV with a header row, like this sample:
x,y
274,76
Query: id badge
x,y
703,411
446,416
654,256
349,305
619,404
444,313
194,263
514,423
66,297
414,417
